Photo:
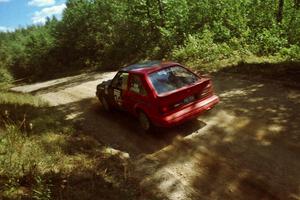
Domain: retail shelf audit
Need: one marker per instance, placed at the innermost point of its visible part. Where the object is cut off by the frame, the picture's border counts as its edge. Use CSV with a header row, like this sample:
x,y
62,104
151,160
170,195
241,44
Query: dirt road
x,y
248,147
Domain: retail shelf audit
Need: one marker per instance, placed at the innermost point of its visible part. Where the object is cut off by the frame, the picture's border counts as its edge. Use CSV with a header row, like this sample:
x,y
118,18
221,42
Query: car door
x,y
117,89
136,94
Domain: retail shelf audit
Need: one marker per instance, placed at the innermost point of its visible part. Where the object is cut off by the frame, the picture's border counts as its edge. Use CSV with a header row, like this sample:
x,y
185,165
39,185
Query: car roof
x,y
148,66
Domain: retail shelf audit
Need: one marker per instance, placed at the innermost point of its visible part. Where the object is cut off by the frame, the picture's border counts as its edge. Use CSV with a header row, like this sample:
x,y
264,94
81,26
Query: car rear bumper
x,y
190,111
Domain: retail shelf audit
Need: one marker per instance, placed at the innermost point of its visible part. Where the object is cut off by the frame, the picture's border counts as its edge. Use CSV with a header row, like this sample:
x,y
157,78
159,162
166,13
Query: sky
x,y
21,13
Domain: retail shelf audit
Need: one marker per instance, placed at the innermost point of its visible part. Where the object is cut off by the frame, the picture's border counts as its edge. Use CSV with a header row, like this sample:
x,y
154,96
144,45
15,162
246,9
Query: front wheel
x,y
144,121
104,103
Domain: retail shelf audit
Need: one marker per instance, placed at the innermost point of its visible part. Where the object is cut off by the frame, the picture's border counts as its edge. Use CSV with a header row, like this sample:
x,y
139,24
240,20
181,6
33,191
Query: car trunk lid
x,y
186,95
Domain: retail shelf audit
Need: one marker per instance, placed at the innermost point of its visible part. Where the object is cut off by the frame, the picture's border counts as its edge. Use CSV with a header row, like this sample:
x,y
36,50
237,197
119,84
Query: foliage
x,y
292,53
108,34
202,47
269,41
5,77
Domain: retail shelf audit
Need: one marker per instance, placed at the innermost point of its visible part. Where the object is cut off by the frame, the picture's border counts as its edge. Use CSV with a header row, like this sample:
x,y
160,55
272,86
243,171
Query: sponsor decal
x,y
117,97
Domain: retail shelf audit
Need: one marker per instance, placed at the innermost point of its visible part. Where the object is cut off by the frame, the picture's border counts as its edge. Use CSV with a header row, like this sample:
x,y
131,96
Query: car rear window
x,y
171,78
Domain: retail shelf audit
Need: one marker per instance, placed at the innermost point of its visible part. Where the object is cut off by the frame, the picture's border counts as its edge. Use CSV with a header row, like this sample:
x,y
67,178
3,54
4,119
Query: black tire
x,y
105,104
145,122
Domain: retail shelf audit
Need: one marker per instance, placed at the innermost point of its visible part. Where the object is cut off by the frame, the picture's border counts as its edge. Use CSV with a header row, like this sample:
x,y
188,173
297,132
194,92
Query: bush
x,y
269,41
202,47
5,77
291,53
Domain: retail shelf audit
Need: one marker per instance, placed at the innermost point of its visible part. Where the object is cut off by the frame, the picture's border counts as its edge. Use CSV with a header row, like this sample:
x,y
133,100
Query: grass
x,y
266,69
233,61
20,99
270,68
42,156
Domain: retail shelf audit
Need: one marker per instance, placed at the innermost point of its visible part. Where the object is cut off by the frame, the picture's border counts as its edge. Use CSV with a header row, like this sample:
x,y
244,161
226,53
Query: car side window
x,y
136,85
120,81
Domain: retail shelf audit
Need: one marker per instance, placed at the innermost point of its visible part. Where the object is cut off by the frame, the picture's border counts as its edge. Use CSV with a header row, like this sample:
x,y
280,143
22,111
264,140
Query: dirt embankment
x,y
248,147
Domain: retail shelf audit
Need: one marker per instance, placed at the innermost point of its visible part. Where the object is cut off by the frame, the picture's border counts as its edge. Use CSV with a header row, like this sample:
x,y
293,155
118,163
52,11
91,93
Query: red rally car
x,y
158,93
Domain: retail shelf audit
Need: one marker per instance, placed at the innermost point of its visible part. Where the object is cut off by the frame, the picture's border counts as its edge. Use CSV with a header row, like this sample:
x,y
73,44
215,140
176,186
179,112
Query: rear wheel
x,y
144,121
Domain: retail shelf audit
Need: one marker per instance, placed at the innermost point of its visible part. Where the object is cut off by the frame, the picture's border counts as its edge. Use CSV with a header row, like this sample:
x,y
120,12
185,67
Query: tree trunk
x,y
148,11
161,12
280,11
297,4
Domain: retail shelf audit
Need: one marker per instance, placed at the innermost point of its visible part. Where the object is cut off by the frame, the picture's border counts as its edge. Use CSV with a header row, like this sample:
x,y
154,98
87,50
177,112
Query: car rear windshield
x,y
171,78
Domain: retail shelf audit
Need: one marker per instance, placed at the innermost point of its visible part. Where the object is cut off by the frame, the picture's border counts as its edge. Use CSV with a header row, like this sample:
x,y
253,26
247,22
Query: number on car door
x,y
118,88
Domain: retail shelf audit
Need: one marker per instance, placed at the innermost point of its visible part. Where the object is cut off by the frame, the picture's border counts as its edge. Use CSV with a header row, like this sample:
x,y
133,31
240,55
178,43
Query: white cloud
x,y
40,16
41,3
4,1
6,29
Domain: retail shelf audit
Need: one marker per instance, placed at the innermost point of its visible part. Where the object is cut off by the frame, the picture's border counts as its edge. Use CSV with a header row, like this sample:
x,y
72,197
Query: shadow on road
x,y
120,130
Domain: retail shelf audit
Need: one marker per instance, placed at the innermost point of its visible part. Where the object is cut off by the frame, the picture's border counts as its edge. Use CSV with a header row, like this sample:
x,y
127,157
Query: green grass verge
x,y
43,157
273,68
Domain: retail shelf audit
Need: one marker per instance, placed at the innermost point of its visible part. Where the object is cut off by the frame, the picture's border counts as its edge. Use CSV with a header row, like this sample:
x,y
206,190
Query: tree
x,y
280,11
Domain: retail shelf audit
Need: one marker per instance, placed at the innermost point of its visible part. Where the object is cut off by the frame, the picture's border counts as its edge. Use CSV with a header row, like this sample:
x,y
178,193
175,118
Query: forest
x,y
108,34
